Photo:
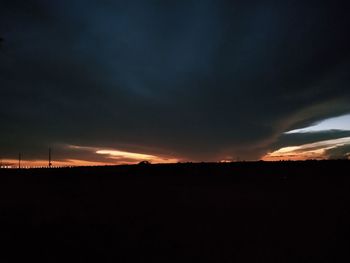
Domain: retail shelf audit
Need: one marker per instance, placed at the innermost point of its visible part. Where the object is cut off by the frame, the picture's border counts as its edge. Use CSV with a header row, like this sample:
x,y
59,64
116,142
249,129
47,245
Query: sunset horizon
x,y
175,131
165,82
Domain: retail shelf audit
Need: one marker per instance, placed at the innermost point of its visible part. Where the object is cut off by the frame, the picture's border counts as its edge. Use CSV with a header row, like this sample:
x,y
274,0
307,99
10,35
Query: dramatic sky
x,y
102,81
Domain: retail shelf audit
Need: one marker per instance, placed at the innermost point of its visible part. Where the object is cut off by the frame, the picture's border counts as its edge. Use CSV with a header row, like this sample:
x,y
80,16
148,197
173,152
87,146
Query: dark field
x,y
239,212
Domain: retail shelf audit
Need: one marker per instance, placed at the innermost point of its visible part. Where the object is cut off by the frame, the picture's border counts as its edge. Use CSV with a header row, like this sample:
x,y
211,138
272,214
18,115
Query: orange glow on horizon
x,y
106,157
98,156
12,163
315,151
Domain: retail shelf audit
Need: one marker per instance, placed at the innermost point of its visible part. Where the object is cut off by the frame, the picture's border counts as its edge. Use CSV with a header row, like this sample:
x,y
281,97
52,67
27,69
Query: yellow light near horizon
x,y
129,155
286,150
316,150
137,157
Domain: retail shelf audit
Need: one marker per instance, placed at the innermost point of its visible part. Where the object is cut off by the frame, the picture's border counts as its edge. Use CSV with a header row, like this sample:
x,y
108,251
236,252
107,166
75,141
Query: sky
x,y
111,82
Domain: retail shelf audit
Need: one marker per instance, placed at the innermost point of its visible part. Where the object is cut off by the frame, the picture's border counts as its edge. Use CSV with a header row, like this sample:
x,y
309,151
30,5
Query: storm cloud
x,y
193,80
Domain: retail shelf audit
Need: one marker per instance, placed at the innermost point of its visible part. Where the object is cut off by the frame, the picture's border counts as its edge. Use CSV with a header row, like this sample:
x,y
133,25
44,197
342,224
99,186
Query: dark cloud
x,y
198,80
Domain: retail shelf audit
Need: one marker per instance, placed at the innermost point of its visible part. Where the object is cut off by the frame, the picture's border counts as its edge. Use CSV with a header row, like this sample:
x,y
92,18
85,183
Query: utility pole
x,y
50,163
19,160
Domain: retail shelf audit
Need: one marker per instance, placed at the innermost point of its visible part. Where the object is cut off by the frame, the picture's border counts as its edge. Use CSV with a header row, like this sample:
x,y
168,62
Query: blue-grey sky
x,y
191,80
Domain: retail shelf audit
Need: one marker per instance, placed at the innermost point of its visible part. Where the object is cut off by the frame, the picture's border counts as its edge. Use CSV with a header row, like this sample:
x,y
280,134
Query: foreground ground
x,y
239,212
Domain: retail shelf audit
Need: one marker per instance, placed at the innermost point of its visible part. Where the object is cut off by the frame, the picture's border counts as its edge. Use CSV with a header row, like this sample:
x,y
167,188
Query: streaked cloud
x,y
135,157
337,123
317,150
119,156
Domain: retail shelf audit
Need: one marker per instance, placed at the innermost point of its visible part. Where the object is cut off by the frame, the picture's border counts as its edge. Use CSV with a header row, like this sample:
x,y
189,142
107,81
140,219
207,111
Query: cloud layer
x,y
192,80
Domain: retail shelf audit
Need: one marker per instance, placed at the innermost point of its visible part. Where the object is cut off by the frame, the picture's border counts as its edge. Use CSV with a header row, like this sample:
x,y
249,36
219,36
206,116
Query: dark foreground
x,y
240,212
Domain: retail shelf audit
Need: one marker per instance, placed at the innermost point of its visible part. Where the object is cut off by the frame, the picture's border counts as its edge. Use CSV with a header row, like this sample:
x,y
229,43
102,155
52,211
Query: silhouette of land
x,y
205,212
